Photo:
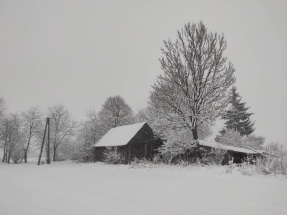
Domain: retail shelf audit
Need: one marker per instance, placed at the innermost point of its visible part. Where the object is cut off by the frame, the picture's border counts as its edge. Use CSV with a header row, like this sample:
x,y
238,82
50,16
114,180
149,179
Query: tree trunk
x,y
197,152
9,156
54,156
25,156
4,155
28,144
195,134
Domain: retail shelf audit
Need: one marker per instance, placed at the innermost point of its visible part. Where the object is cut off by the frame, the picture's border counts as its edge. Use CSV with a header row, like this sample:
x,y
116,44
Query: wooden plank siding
x,y
139,147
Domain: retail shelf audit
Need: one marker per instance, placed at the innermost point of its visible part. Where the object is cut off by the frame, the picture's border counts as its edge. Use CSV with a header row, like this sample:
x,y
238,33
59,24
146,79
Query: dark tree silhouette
x,y
237,117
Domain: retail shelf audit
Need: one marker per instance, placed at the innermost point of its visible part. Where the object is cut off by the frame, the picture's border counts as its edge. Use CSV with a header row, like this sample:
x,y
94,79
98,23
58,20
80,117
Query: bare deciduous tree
x,y
2,106
6,127
3,137
192,90
62,126
88,134
115,112
32,124
142,115
11,136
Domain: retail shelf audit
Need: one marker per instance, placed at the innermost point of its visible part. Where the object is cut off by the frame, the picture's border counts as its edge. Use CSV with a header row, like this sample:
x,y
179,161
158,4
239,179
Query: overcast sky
x,y
80,52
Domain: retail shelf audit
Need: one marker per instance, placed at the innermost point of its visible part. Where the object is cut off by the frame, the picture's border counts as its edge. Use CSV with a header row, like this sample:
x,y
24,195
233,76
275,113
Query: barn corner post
x,y
152,146
127,154
94,155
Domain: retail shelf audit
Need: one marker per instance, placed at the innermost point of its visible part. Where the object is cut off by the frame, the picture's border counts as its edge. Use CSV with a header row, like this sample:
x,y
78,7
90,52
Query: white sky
x,y
80,52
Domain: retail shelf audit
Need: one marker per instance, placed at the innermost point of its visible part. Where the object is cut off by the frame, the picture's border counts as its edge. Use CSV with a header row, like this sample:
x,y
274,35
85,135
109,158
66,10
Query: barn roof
x,y
231,148
119,136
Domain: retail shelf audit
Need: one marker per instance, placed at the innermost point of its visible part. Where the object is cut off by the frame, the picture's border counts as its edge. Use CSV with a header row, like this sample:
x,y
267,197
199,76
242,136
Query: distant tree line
x,y
22,133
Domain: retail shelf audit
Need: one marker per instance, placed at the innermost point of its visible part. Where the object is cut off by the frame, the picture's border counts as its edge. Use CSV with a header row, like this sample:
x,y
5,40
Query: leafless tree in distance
x,y
11,136
62,126
115,112
32,124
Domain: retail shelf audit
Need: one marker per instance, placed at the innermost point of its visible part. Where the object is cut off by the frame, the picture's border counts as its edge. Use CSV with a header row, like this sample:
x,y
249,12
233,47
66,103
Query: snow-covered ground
x,y
70,188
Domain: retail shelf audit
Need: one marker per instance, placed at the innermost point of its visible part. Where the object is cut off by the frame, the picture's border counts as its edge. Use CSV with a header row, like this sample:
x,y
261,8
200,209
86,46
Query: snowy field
x,y
69,188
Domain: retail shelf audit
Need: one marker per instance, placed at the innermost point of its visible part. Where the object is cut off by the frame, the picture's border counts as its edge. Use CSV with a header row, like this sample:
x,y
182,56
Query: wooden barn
x,y
237,153
132,141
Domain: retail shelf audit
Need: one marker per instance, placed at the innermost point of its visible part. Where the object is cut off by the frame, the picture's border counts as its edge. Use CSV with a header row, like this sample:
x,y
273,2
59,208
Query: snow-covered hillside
x,y
70,188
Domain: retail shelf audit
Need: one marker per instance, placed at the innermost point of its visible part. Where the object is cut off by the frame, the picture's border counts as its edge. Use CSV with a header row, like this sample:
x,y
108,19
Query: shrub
x,y
268,165
158,159
230,167
233,138
247,167
112,156
275,161
216,155
271,164
142,163
17,154
137,163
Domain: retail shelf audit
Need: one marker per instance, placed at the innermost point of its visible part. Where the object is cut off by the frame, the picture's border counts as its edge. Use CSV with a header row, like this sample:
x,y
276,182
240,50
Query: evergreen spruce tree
x,y
237,117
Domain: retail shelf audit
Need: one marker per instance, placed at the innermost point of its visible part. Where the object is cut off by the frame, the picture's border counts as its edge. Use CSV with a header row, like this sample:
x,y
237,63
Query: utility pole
x,y
39,161
48,153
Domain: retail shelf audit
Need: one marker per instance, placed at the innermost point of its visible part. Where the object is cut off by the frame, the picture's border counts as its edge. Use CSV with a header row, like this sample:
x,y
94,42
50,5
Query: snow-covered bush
x,y
233,138
158,159
17,154
255,142
269,165
248,166
275,161
177,143
229,138
246,169
230,167
157,162
140,163
112,156
266,166
216,155
182,162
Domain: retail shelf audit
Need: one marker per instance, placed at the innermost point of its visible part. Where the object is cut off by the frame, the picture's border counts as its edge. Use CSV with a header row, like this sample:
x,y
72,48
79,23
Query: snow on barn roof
x,y
231,148
119,136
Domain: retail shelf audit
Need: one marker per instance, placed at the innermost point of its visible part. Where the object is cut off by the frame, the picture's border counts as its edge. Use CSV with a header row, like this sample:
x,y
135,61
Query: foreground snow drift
x,y
70,188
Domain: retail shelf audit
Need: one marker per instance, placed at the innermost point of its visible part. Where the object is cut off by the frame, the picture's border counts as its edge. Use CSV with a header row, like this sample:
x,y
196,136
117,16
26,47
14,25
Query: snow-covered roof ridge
x,y
256,150
230,148
119,136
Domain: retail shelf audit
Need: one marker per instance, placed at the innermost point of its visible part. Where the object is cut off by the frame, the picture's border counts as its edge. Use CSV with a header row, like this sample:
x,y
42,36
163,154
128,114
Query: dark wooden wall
x,y
141,146
99,153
